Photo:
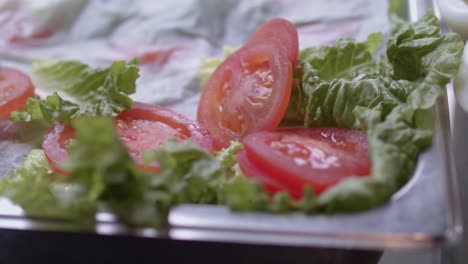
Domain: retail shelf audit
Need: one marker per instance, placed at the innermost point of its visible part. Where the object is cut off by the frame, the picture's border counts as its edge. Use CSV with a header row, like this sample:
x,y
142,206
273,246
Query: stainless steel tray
x,y
423,214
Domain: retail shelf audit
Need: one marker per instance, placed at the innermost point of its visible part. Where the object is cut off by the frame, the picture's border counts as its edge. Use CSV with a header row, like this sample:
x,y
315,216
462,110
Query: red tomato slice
x,y
250,170
282,31
15,89
318,157
143,128
248,92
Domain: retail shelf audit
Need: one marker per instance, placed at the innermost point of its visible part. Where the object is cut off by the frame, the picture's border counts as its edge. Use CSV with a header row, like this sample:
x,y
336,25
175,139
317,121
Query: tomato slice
x,y
143,128
281,30
146,126
248,92
318,157
250,170
15,89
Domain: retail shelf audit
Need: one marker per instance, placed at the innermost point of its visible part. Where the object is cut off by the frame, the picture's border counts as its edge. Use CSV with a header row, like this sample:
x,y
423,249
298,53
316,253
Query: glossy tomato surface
x,y
251,170
248,92
143,128
15,89
146,126
282,31
318,157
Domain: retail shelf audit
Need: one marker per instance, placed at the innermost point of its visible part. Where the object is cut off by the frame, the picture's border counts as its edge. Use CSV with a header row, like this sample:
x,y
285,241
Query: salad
x,y
322,129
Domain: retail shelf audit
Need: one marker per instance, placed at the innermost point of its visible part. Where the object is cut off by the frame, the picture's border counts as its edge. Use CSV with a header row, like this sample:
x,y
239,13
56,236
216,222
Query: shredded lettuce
x,y
79,90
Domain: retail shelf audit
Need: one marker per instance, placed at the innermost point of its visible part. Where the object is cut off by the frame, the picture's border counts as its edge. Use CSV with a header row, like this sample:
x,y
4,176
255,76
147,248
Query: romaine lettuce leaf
x,y
332,103
246,194
394,145
345,59
79,90
103,176
43,193
317,66
389,100
419,53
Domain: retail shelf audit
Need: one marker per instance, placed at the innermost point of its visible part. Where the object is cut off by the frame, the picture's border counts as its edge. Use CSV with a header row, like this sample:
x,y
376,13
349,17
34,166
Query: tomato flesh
x,y
250,170
318,157
145,127
280,30
248,92
141,129
15,89
138,135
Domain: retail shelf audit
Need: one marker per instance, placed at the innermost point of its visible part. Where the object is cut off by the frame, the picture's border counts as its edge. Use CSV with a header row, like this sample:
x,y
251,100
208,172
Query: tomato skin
x,y
142,128
248,92
250,170
318,157
280,30
15,89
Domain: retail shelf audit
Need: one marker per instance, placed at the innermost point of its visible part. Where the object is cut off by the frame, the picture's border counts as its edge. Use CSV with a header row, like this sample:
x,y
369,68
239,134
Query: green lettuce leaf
x,y
241,193
390,100
227,157
79,90
332,103
342,86
419,53
345,59
100,162
394,144
103,176
43,193
439,66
